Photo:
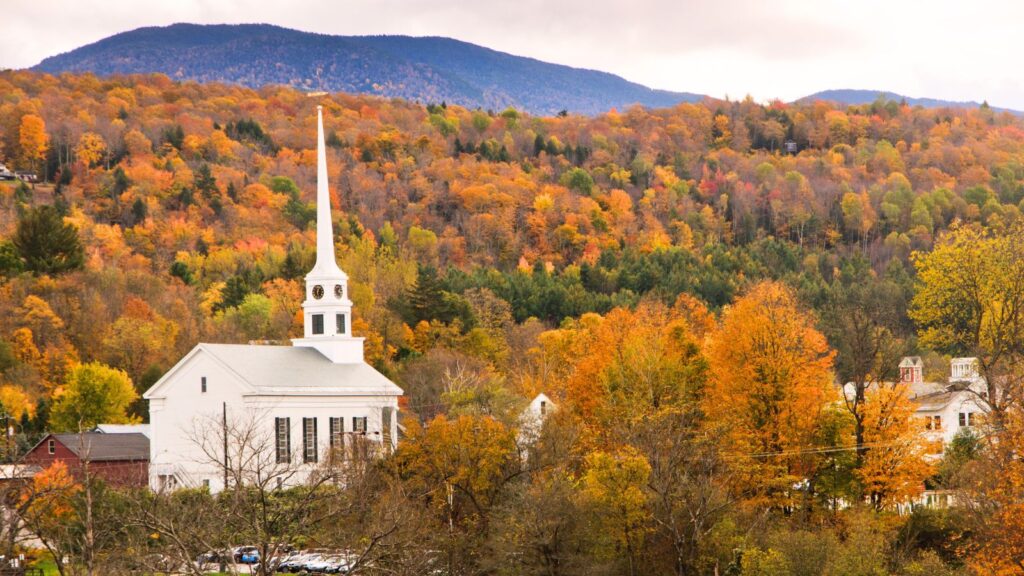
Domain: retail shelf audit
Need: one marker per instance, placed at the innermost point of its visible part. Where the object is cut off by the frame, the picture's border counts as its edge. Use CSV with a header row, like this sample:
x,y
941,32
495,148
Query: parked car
x,y
211,557
6,174
328,565
250,557
246,555
297,562
27,176
158,563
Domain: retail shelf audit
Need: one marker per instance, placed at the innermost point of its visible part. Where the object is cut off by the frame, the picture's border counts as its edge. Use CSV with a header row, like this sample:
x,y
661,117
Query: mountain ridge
x,y
857,96
425,69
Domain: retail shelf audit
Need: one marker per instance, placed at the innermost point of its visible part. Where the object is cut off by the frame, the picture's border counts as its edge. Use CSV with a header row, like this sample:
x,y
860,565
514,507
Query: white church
x,y
302,402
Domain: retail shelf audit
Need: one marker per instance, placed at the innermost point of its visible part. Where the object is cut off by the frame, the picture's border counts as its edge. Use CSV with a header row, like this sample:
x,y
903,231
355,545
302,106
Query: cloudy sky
x,y
957,50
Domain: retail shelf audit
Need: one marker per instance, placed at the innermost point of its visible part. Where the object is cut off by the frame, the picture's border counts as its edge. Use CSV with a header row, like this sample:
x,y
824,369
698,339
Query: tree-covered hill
x,y
686,293
427,69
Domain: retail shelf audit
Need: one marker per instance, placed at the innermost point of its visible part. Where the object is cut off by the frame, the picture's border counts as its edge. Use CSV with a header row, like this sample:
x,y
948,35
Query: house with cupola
x,y
948,407
301,404
943,407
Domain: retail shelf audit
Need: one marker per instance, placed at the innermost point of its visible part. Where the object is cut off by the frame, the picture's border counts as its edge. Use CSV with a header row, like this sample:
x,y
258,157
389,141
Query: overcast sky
x,y
957,50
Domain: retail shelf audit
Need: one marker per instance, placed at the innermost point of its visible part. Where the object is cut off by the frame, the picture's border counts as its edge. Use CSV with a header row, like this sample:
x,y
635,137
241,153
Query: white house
x,y
531,420
301,401
944,408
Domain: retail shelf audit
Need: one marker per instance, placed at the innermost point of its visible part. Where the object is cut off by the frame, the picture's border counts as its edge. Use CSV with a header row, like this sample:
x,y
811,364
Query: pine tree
x,y
46,244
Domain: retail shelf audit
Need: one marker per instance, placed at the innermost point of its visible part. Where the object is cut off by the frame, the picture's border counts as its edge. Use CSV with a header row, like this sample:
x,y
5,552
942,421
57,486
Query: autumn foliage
x,y
672,279
772,377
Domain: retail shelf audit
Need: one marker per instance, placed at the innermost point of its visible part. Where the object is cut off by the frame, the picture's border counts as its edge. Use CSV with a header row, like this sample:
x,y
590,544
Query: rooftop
x,y
98,446
299,369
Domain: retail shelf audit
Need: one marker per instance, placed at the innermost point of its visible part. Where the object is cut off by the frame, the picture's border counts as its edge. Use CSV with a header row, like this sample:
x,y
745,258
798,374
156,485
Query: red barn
x,y
119,459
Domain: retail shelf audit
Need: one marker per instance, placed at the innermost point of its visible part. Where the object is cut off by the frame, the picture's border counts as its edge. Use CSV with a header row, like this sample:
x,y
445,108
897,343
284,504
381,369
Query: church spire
x,y
326,265
327,310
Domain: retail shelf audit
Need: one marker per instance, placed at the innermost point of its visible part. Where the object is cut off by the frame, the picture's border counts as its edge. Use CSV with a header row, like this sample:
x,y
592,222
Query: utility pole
x,y
224,431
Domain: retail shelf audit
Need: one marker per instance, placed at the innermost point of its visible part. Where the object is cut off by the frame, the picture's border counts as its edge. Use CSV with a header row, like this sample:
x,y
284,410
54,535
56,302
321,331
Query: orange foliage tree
x,y
627,365
894,468
771,381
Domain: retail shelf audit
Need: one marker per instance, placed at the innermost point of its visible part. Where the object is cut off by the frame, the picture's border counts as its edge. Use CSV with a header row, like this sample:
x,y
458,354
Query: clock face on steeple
x,y
318,291
339,291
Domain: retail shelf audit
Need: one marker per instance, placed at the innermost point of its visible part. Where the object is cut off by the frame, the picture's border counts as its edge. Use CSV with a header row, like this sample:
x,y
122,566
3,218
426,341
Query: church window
x,y
318,323
340,320
359,424
337,431
202,384
318,291
309,440
283,437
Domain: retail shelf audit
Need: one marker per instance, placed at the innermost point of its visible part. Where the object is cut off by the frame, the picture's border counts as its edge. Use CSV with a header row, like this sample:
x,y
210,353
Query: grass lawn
x,y
48,566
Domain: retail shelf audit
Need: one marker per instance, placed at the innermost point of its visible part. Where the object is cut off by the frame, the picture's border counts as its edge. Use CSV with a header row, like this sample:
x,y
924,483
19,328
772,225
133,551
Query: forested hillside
x,y
420,69
686,293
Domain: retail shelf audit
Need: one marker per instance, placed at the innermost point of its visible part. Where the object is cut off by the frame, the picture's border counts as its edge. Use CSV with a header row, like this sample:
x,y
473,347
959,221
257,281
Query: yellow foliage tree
x,y
90,149
33,139
469,458
614,493
140,338
93,394
970,302
15,401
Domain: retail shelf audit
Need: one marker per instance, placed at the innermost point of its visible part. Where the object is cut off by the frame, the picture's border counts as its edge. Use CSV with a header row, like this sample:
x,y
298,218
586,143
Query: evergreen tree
x,y
175,136
46,244
121,183
10,265
204,181
425,299
139,210
180,270
538,145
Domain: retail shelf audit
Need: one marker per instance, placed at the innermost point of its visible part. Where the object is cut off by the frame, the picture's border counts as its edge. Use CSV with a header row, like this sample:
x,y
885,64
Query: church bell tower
x,y
327,310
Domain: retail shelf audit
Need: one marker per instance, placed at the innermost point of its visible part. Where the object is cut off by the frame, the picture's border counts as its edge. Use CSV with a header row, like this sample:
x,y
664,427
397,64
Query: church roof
x,y
293,370
123,429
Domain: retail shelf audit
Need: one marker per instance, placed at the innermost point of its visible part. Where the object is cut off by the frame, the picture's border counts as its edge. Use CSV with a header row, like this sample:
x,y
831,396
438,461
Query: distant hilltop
x,y
427,70
851,97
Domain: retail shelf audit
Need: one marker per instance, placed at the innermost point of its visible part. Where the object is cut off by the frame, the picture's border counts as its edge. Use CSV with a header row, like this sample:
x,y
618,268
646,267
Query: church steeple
x,y
327,310
326,265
